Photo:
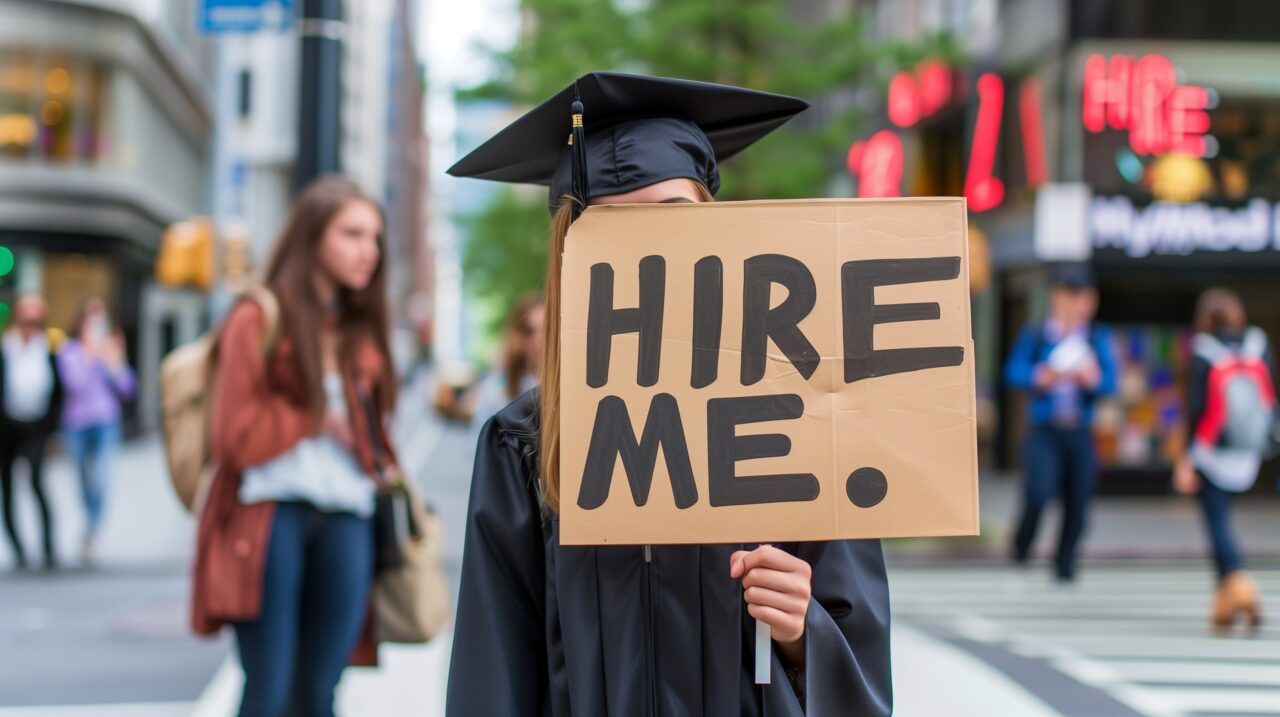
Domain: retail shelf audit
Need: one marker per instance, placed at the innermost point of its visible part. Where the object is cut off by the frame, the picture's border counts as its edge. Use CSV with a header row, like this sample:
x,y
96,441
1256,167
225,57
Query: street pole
x,y
320,102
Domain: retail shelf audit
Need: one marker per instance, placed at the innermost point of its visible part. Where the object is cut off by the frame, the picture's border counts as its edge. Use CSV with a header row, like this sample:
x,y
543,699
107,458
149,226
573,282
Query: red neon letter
x,y
1107,93
1153,79
933,79
1119,93
1188,122
904,100
983,190
1032,132
881,172
854,160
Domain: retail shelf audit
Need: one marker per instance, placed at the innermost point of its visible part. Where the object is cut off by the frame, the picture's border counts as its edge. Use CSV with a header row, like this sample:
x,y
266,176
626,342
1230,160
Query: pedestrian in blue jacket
x,y
1065,362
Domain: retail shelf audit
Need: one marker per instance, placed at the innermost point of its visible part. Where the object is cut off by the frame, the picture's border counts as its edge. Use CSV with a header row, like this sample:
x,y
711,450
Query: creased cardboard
x,y
860,429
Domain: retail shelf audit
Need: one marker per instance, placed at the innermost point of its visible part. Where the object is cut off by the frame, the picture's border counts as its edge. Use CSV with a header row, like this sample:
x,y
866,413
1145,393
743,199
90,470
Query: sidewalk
x,y
146,533
144,525
1167,527
131,609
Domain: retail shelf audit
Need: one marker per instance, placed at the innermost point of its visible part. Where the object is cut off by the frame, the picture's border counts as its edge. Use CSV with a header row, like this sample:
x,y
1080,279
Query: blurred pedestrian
x,y
30,406
1066,363
285,549
549,629
517,371
98,381
1231,410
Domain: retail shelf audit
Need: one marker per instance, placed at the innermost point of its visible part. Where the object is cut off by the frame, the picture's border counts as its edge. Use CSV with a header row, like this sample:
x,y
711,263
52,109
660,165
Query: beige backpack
x,y
186,402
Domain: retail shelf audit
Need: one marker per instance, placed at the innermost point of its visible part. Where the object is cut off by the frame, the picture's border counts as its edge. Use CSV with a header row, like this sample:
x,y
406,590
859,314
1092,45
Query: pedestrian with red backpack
x,y
1231,407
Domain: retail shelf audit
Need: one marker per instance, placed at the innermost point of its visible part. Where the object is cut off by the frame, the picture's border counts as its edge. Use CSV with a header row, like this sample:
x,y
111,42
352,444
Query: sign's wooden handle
x,y
764,652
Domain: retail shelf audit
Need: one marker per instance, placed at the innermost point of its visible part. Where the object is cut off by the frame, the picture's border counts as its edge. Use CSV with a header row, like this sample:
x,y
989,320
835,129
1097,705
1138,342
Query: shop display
x,y
1142,426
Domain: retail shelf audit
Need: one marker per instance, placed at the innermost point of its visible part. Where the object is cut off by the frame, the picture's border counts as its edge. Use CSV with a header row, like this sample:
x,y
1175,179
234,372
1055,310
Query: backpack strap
x,y
1209,348
270,305
1255,343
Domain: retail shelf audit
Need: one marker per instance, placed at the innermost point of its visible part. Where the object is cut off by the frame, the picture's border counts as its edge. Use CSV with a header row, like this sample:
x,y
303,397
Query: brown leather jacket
x,y
259,413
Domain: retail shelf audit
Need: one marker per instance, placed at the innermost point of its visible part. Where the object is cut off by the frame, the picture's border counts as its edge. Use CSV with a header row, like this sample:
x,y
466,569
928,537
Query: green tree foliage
x,y
775,45
505,256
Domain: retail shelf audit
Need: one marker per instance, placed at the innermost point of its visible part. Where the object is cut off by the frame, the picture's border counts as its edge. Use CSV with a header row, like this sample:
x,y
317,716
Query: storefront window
x,y
1245,166
18,128
51,108
1239,20
1142,426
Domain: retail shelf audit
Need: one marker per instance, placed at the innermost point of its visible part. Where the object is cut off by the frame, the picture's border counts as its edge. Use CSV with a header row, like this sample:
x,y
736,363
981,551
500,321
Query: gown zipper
x,y
651,635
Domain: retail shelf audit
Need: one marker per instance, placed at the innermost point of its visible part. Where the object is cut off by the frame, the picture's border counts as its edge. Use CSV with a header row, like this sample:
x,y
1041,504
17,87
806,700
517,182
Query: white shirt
x,y
28,379
318,470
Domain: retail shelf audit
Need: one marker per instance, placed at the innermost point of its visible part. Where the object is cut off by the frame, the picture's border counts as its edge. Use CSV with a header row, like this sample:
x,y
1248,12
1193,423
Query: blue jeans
x,y
93,451
1216,503
319,571
1059,463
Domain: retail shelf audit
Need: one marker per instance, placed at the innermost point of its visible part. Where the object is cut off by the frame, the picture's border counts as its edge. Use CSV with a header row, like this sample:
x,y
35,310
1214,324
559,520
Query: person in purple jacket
x,y
96,381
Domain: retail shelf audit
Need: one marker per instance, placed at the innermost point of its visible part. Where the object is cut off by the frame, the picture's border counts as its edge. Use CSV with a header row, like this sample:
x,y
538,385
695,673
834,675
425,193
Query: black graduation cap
x,y
610,133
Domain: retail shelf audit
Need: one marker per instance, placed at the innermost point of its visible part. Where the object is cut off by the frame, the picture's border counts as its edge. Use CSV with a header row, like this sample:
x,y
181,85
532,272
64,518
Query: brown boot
x,y
1237,596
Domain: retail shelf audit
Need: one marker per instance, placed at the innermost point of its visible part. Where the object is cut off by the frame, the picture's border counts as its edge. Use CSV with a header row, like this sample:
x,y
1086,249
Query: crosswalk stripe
x,y
141,709
1239,700
1195,672
1139,633
1110,646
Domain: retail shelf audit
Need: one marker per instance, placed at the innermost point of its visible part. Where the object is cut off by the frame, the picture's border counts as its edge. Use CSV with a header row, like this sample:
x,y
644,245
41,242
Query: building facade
x,y
1139,137
383,147
105,119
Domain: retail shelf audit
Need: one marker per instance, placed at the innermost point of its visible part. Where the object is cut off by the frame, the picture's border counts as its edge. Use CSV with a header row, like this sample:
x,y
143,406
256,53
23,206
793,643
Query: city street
x,y
971,636
957,270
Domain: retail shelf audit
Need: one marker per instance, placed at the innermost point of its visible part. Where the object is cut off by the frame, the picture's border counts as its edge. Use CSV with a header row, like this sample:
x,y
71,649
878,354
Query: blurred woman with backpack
x,y
1231,407
285,550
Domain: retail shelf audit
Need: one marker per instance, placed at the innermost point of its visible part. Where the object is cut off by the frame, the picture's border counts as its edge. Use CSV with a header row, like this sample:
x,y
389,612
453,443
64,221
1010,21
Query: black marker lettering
x,y
725,448
708,313
613,438
861,313
760,323
604,322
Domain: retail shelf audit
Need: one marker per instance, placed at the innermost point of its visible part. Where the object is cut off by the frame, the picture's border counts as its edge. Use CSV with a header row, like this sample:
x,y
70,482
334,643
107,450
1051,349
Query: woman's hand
x,y
112,352
776,587
1185,480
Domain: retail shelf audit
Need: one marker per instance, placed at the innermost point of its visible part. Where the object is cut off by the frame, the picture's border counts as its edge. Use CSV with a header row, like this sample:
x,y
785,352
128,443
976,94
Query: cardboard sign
x,y
767,371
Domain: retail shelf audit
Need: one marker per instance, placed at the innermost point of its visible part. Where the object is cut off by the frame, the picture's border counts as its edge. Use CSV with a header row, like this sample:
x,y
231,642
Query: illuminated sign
x,y
1139,96
1169,229
1143,97
914,96
878,164
1032,133
984,190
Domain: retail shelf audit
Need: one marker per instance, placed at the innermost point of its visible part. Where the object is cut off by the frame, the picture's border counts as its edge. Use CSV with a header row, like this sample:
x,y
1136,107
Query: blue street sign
x,y
222,16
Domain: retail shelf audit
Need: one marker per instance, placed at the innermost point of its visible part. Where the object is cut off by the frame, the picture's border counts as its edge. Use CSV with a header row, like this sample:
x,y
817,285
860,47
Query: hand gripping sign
x,y
767,371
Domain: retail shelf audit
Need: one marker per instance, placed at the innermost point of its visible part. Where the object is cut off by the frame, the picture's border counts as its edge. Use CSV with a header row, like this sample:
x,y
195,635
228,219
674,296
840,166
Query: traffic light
x,y
6,284
186,255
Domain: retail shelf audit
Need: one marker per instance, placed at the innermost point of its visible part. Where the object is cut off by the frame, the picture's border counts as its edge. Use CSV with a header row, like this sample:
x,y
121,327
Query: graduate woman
x,y
642,630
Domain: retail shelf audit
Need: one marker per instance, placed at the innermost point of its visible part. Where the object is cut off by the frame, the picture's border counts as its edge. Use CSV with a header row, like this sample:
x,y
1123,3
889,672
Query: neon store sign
x,y
1139,96
1143,98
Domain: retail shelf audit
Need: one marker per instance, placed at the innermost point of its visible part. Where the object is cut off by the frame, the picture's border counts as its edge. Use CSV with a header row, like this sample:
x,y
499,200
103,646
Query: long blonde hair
x,y
549,379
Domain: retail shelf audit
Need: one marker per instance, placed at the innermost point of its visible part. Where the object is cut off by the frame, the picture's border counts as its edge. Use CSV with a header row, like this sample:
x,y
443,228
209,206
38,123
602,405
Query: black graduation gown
x,y
556,631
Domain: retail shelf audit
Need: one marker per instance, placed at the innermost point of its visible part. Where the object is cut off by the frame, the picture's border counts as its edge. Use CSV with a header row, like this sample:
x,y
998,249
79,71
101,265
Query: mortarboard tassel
x,y
578,158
